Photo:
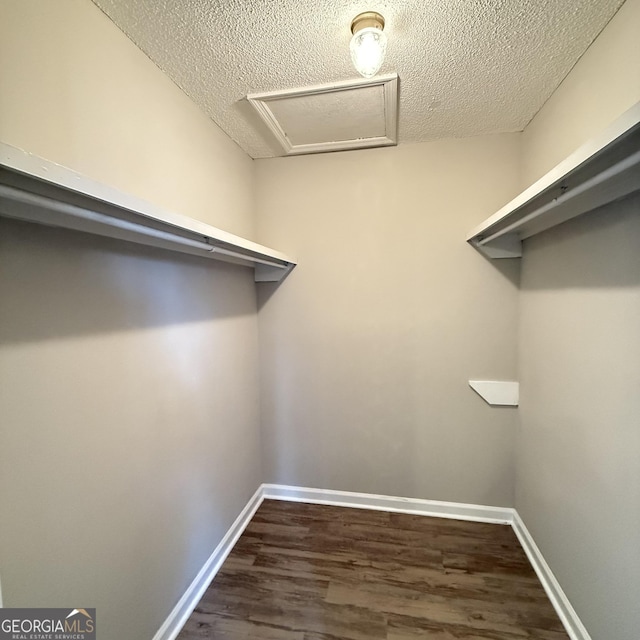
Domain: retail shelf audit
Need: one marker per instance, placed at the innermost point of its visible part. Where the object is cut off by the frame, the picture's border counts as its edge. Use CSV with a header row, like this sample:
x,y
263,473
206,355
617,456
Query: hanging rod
x,y
14,195
36,190
604,169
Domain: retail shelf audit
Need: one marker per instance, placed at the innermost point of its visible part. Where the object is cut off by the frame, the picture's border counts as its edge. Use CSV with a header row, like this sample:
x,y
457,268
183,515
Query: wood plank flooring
x,y
311,572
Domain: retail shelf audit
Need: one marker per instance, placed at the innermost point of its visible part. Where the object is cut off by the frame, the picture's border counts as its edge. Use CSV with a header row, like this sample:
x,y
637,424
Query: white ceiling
x,y
466,67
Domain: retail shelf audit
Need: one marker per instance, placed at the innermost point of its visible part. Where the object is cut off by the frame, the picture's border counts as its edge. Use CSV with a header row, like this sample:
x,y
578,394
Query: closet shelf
x,y
497,393
40,191
601,171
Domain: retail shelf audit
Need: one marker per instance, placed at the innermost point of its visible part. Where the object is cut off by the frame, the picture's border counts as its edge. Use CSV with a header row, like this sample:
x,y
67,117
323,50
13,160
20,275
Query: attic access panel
x,y
355,114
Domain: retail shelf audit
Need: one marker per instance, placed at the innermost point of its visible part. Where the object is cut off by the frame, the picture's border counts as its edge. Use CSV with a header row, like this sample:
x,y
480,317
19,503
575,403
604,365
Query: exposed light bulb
x,y
368,47
368,44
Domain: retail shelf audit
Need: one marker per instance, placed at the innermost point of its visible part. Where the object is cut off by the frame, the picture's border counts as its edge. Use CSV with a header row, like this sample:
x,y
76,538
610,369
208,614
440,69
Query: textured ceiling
x,y
466,67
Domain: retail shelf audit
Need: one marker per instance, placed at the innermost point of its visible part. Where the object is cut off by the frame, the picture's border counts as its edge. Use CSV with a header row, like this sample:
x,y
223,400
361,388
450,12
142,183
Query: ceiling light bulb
x,y
368,44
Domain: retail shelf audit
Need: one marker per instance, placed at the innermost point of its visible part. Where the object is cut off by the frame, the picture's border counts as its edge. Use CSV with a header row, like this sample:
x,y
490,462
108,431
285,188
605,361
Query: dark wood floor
x,y
309,572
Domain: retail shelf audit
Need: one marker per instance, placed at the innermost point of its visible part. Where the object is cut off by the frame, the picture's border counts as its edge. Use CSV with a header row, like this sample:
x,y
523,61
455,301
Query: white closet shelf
x,y
601,171
40,191
497,393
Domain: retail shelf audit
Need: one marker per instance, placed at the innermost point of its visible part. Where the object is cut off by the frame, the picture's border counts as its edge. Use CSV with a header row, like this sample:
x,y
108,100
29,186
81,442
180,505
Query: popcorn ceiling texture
x,y
466,67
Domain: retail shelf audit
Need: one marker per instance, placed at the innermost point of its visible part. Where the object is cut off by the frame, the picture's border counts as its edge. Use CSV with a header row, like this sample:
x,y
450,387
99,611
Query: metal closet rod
x,y
592,183
44,202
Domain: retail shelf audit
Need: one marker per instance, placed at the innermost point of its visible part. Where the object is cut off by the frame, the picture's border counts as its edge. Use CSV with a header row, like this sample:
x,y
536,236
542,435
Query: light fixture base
x,y
367,19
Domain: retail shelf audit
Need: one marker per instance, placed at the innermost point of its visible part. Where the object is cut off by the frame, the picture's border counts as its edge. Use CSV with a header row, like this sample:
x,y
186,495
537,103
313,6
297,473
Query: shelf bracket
x,y
506,246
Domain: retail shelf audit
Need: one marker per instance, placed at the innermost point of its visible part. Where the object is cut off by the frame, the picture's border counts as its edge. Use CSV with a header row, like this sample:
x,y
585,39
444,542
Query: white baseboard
x,y
455,510
181,612
559,600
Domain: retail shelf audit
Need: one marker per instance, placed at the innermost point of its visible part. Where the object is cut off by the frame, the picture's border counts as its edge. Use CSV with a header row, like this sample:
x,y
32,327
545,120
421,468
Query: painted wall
x,y
367,349
604,83
578,476
75,90
129,438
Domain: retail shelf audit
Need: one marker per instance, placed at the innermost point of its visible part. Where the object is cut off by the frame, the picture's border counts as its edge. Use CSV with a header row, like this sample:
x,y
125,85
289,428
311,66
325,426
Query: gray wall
x,y
129,439
367,348
578,486
578,469
129,426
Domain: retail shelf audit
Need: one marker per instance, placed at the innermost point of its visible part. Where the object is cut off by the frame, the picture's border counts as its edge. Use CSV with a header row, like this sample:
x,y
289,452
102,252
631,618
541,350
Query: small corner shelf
x,y
601,171
497,393
40,191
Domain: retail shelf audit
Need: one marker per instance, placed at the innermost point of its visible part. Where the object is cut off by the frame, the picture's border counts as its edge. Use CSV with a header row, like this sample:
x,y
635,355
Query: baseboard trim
x,y
185,606
559,600
434,508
